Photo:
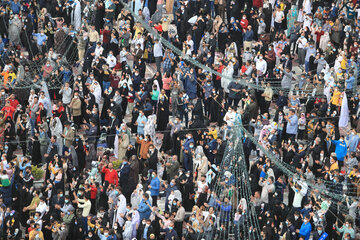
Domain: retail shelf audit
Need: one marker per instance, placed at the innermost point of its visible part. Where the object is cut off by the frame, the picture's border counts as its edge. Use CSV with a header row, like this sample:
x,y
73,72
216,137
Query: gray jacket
x,y
286,81
321,64
66,95
33,109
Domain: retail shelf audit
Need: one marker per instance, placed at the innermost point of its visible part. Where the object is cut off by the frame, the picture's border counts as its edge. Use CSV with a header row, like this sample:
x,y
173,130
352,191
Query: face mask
x,y
347,225
66,201
191,146
171,184
152,175
300,148
36,217
305,221
90,235
244,17
296,217
106,234
319,232
147,225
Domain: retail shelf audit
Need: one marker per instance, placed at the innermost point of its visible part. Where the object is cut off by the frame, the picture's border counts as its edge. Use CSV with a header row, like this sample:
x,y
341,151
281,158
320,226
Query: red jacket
x,y
8,111
244,24
110,176
14,103
93,191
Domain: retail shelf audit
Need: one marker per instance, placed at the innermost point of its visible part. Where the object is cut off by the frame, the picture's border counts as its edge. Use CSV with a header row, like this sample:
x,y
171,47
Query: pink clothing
x,y
166,83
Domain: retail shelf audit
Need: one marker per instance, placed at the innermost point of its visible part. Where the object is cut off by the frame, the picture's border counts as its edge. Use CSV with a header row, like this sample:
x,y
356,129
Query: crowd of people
x,y
105,133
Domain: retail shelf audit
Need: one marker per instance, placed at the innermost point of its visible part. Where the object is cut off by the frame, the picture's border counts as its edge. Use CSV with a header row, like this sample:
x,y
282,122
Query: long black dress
x,y
162,113
36,156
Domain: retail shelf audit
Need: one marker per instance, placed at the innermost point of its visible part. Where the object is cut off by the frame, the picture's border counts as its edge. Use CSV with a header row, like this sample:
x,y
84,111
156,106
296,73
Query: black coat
x,y
153,160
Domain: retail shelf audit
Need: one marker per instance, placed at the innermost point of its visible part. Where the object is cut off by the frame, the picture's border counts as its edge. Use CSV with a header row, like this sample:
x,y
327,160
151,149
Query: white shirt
x,y
278,16
123,56
98,51
231,120
191,43
31,99
261,66
302,42
158,50
141,41
201,186
41,208
111,61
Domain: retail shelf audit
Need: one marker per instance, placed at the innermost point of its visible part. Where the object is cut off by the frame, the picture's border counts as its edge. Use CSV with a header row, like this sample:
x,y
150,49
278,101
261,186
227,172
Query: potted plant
x,y
38,174
117,164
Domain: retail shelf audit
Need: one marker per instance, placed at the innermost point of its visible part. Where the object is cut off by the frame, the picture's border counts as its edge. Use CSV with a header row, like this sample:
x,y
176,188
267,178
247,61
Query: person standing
x,y
158,54
292,125
75,106
154,187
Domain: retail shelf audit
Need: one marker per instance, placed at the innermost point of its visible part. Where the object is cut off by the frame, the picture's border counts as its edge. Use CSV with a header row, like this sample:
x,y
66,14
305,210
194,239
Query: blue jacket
x,y
140,126
144,210
212,145
350,82
340,149
40,38
305,230
136,82
248,35
353,142
155,186
66,76
187,143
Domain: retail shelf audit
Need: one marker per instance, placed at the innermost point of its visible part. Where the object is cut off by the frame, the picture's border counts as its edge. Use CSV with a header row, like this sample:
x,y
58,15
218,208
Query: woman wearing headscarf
x,y
56,129
22,132
123,143
137,195
291,18
96,91
14,30
163,111
10,136
223,35
76,15
202,168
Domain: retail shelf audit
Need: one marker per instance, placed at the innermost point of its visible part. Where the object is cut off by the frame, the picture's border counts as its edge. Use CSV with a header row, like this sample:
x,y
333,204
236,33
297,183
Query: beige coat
x,y
75,106
203,168
123,145
69,136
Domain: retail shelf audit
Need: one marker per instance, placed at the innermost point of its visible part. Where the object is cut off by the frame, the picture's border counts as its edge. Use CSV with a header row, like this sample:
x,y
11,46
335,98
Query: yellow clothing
x,y
343,64
138,30
334,167
34,202
35,233
335,99
213,133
